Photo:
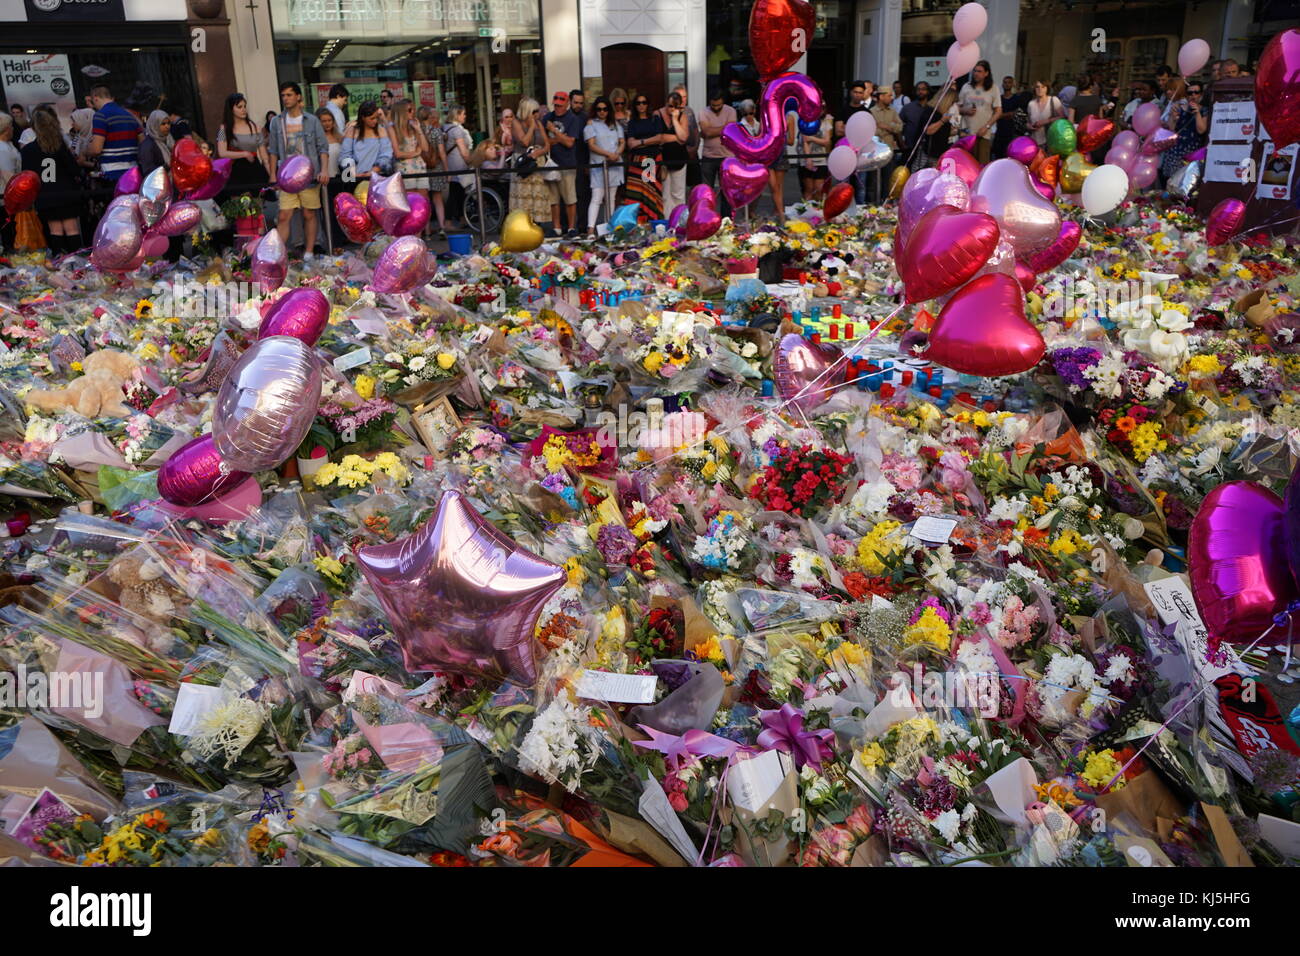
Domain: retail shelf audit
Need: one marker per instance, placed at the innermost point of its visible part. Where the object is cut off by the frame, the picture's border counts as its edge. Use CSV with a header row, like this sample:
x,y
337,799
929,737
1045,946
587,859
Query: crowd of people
x,y
568,167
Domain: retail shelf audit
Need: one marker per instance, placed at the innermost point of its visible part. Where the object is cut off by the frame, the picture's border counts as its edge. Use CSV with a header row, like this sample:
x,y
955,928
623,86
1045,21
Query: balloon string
x,y
1191,700
871,334
933,110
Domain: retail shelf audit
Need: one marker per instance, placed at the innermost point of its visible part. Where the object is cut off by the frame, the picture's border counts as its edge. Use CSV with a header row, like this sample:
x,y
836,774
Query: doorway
x,y
636,68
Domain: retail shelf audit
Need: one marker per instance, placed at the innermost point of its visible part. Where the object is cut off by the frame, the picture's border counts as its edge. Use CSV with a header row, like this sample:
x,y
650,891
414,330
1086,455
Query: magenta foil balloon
x,y
270,261
180,218
193,474
462,596
154,244
1291,524
386,202
1027,220
1046,190
1067,240
1237,561
963,164
703,193
128,182
1022,149
926,190
966,142
413,223
1277,88
1159,141
294,174
301,314
221,169
155,196
947,248
401,267
1225,221
267,403
117,241
677,219
799,363
702,222
771,141
742,182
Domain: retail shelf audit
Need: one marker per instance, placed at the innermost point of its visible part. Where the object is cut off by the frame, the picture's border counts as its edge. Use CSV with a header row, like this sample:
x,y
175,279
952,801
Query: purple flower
x,y
1070,363
615,543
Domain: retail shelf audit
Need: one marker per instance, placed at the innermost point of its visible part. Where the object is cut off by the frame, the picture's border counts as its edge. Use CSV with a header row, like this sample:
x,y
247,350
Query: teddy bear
x,y
97,392
144,588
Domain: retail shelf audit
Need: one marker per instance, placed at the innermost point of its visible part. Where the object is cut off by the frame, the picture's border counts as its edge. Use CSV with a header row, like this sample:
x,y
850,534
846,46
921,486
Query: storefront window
x,y
483,55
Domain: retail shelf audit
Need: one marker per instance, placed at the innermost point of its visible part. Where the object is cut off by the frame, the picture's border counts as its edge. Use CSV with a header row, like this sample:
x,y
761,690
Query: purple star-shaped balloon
x,y
461,595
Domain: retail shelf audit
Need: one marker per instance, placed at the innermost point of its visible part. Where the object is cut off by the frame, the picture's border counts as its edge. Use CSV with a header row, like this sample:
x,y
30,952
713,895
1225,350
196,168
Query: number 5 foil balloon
x,y
768,144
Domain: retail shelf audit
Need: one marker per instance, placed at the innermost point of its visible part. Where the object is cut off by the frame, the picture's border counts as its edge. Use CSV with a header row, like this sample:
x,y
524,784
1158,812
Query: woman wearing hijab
x,y
156,147
83,122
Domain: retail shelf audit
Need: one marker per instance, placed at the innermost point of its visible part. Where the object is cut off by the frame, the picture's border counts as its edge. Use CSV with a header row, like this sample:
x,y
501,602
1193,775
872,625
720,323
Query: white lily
x,y
1171,320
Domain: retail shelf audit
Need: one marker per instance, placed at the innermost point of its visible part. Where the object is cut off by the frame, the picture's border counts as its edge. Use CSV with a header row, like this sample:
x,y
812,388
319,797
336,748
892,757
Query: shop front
x,y
484,55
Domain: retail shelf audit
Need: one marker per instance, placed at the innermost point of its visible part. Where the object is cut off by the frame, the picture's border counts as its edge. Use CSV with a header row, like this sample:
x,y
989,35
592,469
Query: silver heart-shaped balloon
x,y
1025,218
874,156
155,196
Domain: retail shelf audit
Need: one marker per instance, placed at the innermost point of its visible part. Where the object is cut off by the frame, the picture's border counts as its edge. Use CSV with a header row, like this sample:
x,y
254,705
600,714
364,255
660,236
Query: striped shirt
x,y
121,132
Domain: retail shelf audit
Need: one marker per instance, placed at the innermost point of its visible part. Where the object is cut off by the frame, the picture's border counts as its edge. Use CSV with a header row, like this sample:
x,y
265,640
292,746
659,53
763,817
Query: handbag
x,y
523,165
551,174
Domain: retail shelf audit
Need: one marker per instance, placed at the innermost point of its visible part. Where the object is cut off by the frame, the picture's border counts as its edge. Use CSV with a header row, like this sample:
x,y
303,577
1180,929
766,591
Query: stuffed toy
x,y
145,589
97,392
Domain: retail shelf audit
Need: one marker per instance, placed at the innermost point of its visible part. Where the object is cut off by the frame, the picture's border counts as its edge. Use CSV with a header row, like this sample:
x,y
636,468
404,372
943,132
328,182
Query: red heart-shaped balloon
x,y
1277,88
983,331
1091,132
799,363
20,192
946,248
1236,558
190,167
779,34
837,200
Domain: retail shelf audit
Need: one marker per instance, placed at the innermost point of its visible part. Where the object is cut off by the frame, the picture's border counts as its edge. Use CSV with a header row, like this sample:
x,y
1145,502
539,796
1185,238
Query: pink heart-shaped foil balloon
x,y
1159,141
983,330
702,193
1225,221
946,248
798,364
966,142
702,222
1067,240
962,163
1237,561
742,182
924,191
1005,191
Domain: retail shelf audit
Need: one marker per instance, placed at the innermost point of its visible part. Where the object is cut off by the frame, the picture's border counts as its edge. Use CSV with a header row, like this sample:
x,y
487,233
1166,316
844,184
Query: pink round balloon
x,y
294,174
401,267
1127,140
1027,220
925,190
742,182
702,222
1146,119
1159,141
962,57
193,474
267,403
1144,172
947,248
154,244
1121,157
963,164
462,596
1237,561
270,261
128,182
220,175
1022,149
969,22
982,330
1193,55
702,193
1225,221
413,223
1277,88
180,218
1067,241
117,241
770,142
301,314
386,201
798,364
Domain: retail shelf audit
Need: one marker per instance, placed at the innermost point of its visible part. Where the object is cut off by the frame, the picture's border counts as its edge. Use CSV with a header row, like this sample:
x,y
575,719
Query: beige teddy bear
x,y
144,588
97,392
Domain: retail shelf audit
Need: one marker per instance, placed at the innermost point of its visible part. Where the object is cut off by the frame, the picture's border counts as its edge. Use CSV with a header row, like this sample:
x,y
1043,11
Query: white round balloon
x,y
842,162
1104,189
860,129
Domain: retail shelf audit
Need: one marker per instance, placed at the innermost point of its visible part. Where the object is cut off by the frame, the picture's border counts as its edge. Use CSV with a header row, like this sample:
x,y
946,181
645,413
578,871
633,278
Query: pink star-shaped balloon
x,y
461,595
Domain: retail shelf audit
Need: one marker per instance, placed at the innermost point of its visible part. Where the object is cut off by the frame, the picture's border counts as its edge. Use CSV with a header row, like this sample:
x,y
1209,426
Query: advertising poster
x,y
36,80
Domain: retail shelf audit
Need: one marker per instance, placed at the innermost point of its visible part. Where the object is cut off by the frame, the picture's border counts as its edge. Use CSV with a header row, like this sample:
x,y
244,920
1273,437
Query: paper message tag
x,y
617,688
752,783
193,703
933,529
1173,601
352,359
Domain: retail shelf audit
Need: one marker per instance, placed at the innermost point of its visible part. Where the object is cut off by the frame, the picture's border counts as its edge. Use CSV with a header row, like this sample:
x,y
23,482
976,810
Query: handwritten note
x,y
617,688
933,530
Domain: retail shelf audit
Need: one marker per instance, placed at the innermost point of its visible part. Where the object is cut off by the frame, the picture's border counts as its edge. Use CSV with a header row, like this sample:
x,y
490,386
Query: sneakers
x,y
571,234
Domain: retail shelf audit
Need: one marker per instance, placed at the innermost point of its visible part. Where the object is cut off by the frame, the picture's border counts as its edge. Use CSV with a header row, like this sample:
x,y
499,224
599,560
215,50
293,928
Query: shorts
x,y
309,198
782,163
817,172
564,191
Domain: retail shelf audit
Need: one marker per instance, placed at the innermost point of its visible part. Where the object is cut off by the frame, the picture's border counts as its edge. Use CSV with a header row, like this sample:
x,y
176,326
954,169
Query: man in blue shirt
x,y
564,129
115,135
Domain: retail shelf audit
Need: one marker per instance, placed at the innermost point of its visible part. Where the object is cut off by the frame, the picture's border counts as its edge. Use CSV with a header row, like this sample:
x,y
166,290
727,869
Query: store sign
x,y
408,18
70,11
32,81
930,70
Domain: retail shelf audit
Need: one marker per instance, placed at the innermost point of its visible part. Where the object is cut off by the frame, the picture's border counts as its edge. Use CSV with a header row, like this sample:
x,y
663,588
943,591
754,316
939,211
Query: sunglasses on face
x,y
1193,92
641,103
602,109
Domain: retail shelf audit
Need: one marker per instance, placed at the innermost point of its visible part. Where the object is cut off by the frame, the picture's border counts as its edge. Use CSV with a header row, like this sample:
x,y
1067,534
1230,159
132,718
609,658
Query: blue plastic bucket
x,y
461,244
